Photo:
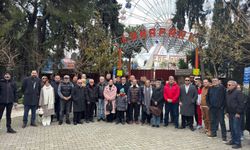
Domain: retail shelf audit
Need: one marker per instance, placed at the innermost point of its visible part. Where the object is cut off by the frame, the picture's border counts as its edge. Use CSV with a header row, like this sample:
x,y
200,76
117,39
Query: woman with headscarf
x,y
46,101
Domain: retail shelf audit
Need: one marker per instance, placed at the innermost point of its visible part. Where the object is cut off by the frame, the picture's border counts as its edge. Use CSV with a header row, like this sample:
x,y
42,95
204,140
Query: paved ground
x,y
100,135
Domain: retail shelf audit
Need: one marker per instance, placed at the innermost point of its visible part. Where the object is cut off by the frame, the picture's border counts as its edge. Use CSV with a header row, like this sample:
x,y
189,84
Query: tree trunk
x,y
215,70
129,66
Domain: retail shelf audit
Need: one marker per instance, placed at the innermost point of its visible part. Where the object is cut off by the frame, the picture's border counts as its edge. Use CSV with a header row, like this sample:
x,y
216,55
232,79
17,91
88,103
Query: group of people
x,y
123,100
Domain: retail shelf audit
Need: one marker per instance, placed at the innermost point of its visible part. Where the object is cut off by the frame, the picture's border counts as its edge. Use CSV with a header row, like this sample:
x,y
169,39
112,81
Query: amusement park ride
x,y
157,33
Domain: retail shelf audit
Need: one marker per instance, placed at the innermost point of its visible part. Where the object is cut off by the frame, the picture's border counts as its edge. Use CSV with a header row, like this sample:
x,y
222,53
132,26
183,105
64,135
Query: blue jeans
x,y
174,108
101,114
235,126
156,120
26,113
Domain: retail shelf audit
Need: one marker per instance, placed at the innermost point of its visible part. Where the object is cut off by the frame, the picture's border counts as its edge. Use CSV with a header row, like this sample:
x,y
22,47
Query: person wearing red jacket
x,y
171,96
198,114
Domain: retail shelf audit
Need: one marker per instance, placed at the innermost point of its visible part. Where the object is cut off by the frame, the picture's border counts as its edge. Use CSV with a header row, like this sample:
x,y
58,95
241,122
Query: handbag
x,y
109,106
155,110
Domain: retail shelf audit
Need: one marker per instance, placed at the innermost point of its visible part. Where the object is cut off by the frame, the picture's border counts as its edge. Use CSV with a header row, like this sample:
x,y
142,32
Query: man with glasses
x,y
8,97
31,88
188,97
65,91
234,109
216,104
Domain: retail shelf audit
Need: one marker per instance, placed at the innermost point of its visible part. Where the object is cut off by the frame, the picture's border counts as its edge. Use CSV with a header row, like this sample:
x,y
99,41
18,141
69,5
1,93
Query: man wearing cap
x,y
8,96
65,91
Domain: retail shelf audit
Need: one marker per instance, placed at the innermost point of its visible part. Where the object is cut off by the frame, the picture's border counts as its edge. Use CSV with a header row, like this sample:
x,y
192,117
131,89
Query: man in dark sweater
x,y
234,108
216,103
8,97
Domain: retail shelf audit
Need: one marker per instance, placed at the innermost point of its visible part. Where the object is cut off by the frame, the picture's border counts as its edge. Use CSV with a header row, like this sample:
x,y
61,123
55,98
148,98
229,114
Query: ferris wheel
x,y
147,11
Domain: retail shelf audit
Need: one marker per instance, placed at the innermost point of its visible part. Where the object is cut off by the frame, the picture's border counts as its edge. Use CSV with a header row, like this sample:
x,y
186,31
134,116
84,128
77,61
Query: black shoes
x,y
33,125
24,125
192,128
157,126
68,122
60,122
236,146
230,143
10,130
75,123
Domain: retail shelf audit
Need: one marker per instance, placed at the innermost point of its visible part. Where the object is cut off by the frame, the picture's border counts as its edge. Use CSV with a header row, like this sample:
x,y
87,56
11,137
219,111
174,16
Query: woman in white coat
x,y
46,101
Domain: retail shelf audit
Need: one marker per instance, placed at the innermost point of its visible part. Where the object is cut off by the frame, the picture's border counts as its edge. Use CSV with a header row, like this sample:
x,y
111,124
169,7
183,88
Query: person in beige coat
x,y
204,107
46,101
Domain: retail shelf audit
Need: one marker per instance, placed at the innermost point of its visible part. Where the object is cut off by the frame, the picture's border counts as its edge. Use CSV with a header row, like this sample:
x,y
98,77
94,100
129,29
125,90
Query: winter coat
x,y
146,100
47,100
122,103
124,86
55,86
134,94
235,102
247,125
31,88
110,93
157,96
110,96
216,97
65,89
204,96
188,100
92,94
100,90
157,100
8,92
172,92
79,99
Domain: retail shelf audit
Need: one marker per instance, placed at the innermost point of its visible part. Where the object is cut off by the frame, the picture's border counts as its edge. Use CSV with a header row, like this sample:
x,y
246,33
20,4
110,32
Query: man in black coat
x,y
235,109
31,88
92,98
8,96
65,91
55,83
216,103
247,125
79,101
